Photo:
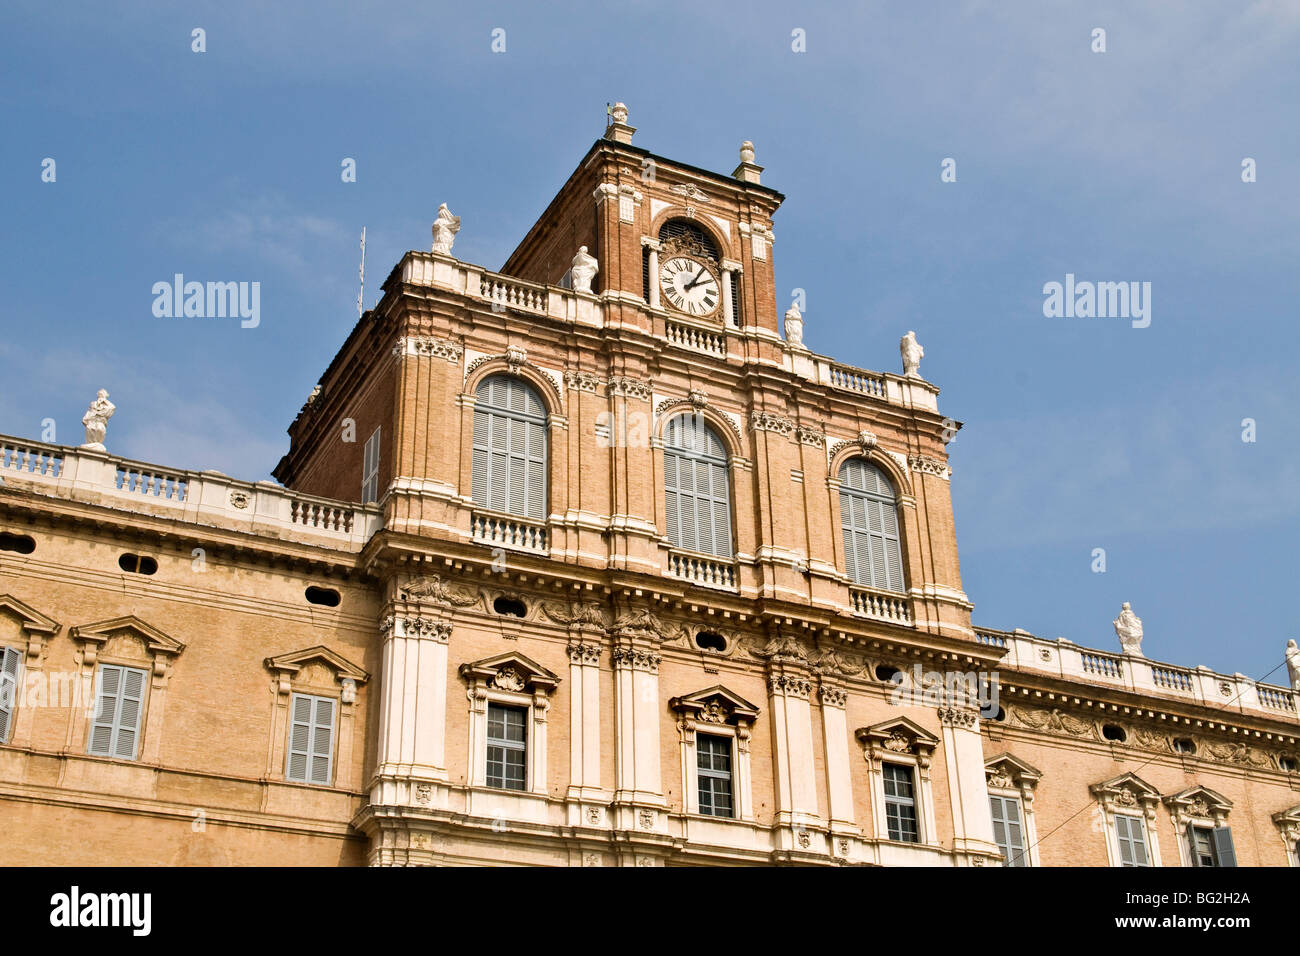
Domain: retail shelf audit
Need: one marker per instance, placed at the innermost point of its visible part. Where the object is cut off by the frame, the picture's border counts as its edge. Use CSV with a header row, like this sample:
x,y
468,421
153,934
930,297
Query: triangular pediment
x,y
1012,768
716,704
899,735
155,640
510,671
1288,816
295,661
1128,789
32,619
1201,800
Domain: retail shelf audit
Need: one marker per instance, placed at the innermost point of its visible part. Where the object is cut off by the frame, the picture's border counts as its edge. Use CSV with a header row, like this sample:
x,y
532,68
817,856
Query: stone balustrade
x,y
702,569
1062,658
881,605
199,497
506,293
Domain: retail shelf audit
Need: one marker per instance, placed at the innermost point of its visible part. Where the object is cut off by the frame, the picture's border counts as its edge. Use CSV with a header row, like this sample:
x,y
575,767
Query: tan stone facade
x,y
624,655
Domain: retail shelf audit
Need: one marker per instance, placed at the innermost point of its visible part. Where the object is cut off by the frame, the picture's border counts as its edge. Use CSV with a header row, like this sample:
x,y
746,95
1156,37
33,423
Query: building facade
x,y
586,563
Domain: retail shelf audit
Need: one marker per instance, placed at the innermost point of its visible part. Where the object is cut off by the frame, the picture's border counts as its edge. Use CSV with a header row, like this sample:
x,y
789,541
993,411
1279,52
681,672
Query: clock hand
x,y
698,279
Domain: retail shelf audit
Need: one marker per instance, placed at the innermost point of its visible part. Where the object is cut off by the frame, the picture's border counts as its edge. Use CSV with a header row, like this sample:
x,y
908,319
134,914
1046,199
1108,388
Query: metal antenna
x,y
363,272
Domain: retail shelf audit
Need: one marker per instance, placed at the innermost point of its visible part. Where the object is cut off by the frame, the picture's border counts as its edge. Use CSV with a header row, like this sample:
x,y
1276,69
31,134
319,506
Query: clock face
x,y
689,285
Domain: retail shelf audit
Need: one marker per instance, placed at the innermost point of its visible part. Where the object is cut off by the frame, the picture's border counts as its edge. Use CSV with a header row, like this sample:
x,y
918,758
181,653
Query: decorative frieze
x,y
428,346
768,422
832,696
808,435
635,658
630,387
426,627
929,466
958,717
584,653
432,588
582,381
789,685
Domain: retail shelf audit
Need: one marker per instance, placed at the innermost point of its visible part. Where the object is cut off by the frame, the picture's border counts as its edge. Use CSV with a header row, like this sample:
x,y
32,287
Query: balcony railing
x,y
1172,678
881,605
508,531
1277,698
856,380
991,638
696,339
704,570
1104,665
513,293
198,497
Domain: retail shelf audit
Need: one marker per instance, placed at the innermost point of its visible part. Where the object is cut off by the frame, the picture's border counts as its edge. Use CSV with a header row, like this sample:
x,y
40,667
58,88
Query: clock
x,y
689,285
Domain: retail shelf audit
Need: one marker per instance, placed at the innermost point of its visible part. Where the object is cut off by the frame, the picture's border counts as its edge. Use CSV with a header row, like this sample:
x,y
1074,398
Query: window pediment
x,y
1007,772
299,664
510,672
97,637
900,736
716,705
1126,791
1199,802
37,626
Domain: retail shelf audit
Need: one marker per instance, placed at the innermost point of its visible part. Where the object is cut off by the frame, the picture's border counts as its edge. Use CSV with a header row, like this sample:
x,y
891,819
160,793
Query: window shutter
x,y
115,730
299,737
311,739
1191,844
322,741
10,661
869,522
1224,853
510,446
697,488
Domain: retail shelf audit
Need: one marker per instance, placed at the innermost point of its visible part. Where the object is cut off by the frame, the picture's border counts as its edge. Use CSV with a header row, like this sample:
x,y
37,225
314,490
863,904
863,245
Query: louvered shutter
x,y
1015,845
1224,852
510,448
1131,836
10,662
697,488
311,739
119,705
869,522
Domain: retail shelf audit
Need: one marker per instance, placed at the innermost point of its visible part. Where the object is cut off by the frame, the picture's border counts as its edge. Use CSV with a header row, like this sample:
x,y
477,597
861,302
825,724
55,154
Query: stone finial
x,y
96,421
584,269
618,130
445,228
1128,628
748,171
912,354
1293,664
794,325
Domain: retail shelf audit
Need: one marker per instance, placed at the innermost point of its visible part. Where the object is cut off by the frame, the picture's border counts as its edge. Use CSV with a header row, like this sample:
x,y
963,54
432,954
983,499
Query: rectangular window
x,y
10,664
713,767
1211,846
900,803
370,470
1008,831
311,739
119,705
1132,836
507,747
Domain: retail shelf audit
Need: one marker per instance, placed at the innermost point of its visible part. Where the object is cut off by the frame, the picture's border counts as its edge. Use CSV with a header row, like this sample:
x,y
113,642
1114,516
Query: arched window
x,y
869,516
510,447
697,493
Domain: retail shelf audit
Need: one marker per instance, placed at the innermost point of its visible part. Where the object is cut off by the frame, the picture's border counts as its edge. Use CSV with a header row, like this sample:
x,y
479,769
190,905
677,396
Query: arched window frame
x,y
896,577
720,464
486,486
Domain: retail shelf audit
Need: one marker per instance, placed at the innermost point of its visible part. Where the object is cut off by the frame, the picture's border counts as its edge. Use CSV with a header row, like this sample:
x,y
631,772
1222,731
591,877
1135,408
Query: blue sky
x,y
1079,433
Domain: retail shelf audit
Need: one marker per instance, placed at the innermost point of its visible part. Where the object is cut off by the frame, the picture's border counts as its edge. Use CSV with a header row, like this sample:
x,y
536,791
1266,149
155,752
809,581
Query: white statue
x,y
912,354
1128,628
96,420
746,152
1293,664
445,228
619,113
583,271
794,325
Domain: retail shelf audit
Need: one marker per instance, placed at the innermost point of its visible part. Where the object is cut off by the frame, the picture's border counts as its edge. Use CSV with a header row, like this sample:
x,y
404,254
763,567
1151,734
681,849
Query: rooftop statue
x,y
912,354
96,421
445,228
1128,628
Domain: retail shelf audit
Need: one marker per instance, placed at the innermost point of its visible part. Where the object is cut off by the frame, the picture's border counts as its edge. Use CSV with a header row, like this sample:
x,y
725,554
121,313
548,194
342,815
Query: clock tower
x,y
684,245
